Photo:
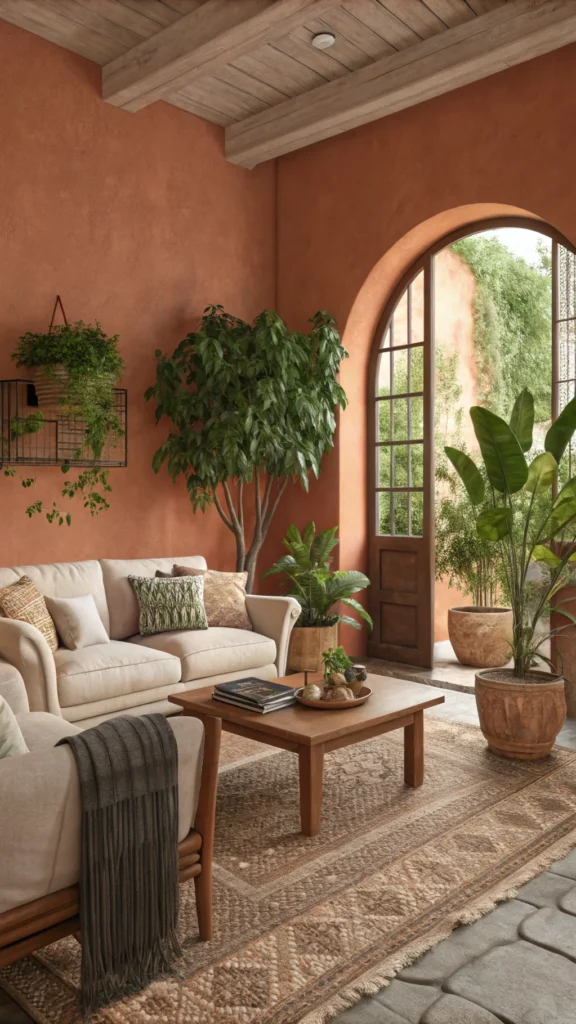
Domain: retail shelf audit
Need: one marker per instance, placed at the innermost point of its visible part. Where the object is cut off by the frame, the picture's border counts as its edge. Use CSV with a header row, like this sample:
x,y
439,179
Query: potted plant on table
x,y
522,709
318,589
480,633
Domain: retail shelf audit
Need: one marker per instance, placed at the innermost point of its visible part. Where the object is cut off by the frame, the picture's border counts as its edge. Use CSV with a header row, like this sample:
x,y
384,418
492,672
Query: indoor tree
x,y
250,406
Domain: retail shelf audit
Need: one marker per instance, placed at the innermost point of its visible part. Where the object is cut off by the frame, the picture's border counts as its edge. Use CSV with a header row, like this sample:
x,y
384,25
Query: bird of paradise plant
x,y
531,523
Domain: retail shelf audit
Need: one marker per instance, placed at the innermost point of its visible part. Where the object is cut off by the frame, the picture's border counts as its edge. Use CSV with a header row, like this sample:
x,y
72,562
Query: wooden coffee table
x,y
394,704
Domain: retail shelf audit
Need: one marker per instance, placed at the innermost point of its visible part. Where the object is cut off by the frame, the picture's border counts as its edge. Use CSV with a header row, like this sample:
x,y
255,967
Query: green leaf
x,y
543,554
469,474
522,419
541,473
350,602
493,523
559,434
503,457
563,515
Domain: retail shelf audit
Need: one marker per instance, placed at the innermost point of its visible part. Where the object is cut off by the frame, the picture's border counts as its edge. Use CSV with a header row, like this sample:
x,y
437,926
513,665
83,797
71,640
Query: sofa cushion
x,y
224,596
84,714
111,670
41,729
213,651
167,604
77,621
23,601
122,603
64,579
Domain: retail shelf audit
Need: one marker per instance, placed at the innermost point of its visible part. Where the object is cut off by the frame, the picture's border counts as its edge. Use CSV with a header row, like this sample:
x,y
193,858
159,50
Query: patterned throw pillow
x,y
11,739
224,596
168,604
23,600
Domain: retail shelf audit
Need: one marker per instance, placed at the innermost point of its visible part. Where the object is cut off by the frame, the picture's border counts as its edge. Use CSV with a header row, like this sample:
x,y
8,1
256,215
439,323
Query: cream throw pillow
x,y
77,621
11,738
23,601
224,596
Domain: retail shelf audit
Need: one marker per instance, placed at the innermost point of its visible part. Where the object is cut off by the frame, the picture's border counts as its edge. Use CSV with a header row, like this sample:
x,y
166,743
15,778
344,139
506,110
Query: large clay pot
x,y
520,719
481,637
307,643
49,384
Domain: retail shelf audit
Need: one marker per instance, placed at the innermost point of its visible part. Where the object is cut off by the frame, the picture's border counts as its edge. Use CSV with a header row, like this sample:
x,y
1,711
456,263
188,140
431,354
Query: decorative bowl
x,y
334,705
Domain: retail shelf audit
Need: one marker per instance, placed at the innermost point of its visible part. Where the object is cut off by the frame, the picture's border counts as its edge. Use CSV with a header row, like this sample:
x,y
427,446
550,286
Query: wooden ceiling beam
x,y
514,33
215,34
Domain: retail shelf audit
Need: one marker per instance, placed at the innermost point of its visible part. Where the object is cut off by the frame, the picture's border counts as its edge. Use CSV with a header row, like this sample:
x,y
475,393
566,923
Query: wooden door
x,y
401,461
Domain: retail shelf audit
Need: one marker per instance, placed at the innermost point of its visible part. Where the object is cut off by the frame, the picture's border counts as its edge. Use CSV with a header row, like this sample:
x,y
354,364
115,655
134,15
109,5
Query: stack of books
x,y
255,695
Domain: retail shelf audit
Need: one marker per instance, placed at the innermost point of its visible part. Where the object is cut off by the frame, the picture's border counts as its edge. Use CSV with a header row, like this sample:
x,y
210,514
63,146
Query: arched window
x,y
401,449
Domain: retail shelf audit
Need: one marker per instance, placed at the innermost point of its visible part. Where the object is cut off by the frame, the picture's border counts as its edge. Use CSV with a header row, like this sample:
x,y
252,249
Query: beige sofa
x,y
40,799
133,673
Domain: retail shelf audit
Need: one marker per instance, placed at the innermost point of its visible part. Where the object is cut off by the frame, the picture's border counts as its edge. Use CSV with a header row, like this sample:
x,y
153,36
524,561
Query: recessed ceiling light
x,y
322,40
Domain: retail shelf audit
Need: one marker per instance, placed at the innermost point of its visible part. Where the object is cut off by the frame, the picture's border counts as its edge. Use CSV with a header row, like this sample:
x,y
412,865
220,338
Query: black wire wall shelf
x,y
59,438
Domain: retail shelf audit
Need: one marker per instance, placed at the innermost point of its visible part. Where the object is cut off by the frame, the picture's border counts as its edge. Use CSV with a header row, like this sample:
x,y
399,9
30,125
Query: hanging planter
x,y
76,368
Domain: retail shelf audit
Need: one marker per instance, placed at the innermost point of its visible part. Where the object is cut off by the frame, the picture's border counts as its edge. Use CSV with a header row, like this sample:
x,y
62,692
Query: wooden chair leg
x,y
205,823
203,889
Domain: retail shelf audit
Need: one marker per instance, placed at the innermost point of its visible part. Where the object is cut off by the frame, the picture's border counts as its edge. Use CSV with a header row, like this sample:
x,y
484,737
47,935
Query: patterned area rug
x,y
304,927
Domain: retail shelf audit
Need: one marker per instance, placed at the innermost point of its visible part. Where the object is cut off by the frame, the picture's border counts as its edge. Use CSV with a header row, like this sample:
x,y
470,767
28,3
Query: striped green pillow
x,y
166,604
11,738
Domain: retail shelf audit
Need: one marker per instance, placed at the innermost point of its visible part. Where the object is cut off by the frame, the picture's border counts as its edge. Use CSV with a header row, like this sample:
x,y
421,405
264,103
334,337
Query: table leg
x,y
414,751
311,763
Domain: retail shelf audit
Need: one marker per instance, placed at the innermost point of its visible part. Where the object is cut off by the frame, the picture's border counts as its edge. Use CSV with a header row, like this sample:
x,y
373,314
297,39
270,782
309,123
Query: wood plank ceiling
x,y
250,66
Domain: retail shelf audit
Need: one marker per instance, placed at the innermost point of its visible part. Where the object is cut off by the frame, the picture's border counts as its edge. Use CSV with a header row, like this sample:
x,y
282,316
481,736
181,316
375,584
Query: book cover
x,y
262,709
257,691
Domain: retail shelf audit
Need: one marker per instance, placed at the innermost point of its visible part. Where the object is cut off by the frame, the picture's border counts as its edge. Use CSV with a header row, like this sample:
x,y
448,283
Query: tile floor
x,y
458,707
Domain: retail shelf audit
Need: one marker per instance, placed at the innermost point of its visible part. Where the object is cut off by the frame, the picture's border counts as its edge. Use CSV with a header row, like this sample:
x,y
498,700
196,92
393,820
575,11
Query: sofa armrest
x,y
40,811
274,617
26,649
12,688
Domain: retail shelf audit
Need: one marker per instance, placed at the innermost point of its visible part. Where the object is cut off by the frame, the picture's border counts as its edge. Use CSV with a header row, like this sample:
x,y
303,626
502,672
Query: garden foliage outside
x,y
512,343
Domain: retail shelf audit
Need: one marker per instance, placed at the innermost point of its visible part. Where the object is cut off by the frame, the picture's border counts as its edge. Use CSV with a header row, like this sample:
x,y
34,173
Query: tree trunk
x,y
265,506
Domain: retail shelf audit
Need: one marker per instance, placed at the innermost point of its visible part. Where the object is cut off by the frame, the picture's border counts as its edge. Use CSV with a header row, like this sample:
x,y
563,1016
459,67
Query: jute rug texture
x,y
304,927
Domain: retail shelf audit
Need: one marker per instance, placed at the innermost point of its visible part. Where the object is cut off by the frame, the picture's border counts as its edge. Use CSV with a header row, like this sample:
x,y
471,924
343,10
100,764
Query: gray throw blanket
x,y
128,770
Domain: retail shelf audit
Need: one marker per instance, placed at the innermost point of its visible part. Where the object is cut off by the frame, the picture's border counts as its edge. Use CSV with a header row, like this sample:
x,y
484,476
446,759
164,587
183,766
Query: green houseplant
x,y
522,710
480,633
77,368
250,406
318,589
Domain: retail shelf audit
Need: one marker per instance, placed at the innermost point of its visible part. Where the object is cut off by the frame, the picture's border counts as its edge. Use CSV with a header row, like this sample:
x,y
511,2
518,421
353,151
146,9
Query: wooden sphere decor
x,y
520,719
481,637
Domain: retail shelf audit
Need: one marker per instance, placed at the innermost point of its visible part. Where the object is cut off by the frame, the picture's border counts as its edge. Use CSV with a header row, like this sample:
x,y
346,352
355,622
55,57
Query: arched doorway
x,y
400,435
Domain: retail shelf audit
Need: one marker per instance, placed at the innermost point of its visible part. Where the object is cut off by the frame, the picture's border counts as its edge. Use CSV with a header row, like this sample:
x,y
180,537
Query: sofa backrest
x,y
122,604
64,579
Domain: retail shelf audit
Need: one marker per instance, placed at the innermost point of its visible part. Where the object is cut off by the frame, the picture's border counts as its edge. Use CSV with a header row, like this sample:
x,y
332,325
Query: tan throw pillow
x,y
23,601
224,596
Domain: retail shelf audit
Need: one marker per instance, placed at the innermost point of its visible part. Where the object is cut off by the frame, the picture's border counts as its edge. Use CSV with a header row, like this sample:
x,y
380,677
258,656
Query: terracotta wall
x,y
356,210
137,221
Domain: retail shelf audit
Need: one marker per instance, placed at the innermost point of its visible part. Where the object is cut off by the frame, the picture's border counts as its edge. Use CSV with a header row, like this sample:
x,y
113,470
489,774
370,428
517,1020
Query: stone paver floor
x,y
516,965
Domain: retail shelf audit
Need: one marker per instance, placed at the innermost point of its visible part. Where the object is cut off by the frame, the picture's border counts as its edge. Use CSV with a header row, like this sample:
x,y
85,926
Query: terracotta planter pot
x,y
306,646
481,637
49,386
520,719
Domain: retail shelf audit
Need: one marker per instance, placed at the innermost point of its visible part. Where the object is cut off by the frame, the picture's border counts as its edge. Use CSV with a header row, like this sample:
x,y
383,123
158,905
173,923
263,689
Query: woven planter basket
x,y
49,384
306,646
